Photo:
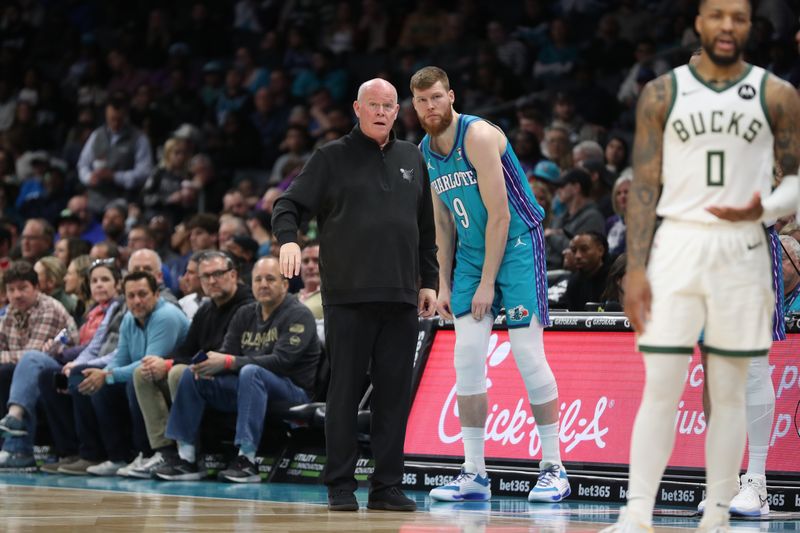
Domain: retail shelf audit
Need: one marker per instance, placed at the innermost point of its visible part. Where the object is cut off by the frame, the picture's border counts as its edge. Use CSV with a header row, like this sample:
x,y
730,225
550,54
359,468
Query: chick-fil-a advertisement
x,y
600,379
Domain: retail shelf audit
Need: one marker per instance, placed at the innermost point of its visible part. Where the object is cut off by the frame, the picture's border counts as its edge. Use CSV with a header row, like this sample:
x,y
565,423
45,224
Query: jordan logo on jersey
x,y
519,242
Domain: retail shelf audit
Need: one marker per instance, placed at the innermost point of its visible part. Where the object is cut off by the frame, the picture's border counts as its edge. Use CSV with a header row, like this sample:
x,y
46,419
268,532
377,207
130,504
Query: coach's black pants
x,y
385,335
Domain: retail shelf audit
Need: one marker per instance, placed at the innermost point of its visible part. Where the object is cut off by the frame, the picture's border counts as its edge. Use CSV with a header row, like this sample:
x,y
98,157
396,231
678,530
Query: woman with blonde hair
x,y
76,283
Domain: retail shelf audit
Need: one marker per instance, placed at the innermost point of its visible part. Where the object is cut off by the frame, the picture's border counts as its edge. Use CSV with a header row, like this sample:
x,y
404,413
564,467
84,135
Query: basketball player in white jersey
x,y
710,135
752,499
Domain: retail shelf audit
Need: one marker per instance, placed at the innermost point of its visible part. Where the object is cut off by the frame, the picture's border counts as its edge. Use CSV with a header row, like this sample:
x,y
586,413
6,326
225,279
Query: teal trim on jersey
x,y
763,98
674,82
678,350
735,353
725,87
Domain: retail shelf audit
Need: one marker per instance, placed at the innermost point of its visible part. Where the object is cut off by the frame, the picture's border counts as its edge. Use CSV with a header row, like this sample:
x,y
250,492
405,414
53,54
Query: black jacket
x,y
375,218
208,327
285,344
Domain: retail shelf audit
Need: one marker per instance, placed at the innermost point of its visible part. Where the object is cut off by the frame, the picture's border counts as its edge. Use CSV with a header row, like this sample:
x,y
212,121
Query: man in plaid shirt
x,y
33,318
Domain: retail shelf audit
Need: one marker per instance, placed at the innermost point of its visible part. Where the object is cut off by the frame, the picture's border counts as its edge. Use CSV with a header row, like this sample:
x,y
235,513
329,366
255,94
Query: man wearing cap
x,y
582,215
116,159
69,224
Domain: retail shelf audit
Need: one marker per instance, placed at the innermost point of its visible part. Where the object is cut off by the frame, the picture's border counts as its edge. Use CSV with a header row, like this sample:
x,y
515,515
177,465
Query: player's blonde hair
x,y
426,77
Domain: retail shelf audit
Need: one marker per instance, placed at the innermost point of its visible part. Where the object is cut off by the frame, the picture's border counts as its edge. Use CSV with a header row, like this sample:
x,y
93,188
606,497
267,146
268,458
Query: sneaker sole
x,y
750,514
181,477
73,472
552,499
138,475
383,506
469,497
255,478
343,507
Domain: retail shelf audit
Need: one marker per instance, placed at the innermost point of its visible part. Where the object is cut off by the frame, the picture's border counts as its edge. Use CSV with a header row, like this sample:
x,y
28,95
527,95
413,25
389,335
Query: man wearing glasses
x,y
156,380
36,239
270,354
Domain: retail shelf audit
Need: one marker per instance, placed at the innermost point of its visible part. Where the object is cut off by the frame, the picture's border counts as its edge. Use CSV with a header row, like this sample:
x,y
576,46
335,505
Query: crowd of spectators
x,y
145,134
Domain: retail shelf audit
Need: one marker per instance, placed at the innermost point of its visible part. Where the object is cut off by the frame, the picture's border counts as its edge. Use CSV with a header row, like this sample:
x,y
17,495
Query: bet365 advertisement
x,y
600,380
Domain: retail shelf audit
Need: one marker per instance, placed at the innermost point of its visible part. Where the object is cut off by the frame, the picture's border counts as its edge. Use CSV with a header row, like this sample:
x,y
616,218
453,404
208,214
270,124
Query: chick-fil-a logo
x,y
505,425
600,379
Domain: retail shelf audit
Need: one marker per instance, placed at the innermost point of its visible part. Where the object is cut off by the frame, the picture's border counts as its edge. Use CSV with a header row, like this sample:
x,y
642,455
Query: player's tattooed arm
x,y
783,106
640,218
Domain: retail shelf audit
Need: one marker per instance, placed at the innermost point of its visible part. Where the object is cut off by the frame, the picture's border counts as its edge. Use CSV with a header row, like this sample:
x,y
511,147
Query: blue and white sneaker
x,y
552,485
468,486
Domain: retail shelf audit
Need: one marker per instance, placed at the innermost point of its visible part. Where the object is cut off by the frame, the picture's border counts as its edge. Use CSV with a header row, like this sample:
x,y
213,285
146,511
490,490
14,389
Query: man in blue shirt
x,y
105,399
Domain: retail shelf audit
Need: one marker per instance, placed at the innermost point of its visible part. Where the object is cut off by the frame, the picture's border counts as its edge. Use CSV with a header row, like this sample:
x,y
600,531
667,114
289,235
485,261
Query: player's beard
x,y
722,61
435,130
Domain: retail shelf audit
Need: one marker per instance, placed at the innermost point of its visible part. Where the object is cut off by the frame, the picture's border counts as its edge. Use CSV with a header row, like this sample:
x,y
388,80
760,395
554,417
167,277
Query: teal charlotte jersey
x,y
521,284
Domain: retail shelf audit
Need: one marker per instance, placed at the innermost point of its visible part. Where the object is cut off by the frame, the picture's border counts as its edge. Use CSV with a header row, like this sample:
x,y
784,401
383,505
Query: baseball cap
x,y
597,165
547,171
576,175
67,215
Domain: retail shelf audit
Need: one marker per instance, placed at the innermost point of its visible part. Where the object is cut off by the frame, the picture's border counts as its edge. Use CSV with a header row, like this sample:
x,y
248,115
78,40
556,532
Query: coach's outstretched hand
x,y
637,299
751,211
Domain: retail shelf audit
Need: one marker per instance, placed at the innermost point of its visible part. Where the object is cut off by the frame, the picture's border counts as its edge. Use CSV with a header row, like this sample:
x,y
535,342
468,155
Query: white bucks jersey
x,y
718,145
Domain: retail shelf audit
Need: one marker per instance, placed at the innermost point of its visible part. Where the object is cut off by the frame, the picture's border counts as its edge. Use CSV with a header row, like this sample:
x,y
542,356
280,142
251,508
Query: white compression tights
x,y
654,430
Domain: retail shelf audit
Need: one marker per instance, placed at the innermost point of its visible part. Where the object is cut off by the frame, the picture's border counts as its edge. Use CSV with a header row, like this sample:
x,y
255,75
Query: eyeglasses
x,y
217,274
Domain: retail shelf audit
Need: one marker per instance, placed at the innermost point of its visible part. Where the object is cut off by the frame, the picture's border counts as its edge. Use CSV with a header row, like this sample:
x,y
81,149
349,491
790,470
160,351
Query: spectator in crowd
x,y
162,193
566,116
203,232
557,147
581,215
556,55
191,288
790,263
614,294
615,224
251,370
90,229
114,215
210,189
422,27
259,224
156,380
51,273
234,203
323,73
68,225
586,151
32,319
311,294
646,59
616,154
76,284
68,249
105,399
296,147
36,239
602,183
116,159
20,424
146,260
588,282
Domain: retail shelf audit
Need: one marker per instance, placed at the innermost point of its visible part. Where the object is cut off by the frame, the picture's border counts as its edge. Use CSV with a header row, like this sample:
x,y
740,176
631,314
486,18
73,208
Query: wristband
x,y
228,362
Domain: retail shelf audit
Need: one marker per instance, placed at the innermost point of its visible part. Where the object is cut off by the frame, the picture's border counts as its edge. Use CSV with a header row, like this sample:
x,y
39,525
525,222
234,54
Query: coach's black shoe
x,y
342,500
391,499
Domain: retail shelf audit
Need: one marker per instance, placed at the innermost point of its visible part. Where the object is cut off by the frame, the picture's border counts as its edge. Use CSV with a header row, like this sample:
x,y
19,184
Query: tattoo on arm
x,y
647,156
784,110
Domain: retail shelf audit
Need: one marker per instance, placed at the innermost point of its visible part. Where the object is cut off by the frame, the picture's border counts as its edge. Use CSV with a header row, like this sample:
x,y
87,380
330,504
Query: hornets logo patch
x,y
517,313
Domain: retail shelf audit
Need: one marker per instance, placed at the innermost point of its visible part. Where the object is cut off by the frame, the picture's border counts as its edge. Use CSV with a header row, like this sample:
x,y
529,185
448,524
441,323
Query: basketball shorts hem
x,y
735,353
679,350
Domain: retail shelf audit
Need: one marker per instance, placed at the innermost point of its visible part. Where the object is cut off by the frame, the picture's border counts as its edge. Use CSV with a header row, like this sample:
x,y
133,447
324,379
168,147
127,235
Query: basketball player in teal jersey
x,y
482,197
707,267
